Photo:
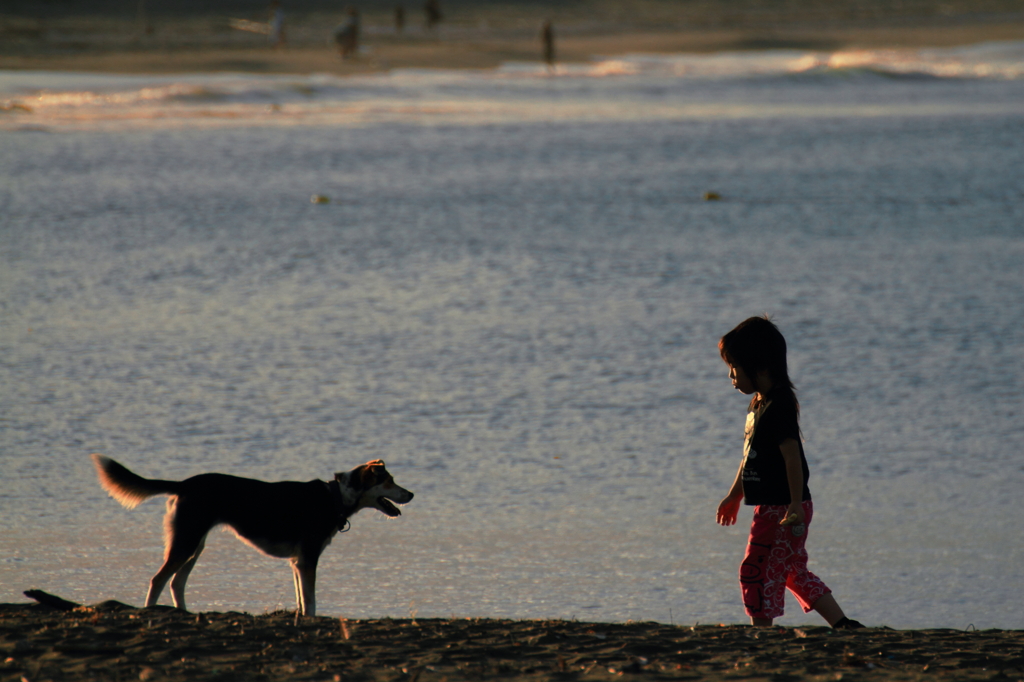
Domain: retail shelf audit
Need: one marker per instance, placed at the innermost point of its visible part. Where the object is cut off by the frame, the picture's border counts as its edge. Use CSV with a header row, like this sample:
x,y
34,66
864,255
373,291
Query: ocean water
x,y
514,297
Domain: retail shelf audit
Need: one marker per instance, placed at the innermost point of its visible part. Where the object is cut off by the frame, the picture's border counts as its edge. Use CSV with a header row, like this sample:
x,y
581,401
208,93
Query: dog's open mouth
x,y
385,505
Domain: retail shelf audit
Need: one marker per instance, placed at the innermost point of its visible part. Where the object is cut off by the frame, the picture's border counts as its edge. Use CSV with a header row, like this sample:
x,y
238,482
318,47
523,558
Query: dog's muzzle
x,y
387,507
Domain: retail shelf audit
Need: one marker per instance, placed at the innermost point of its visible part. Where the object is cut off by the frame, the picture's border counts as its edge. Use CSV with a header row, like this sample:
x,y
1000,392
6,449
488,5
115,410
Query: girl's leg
x,y
828,609
776,559
810,591
761,582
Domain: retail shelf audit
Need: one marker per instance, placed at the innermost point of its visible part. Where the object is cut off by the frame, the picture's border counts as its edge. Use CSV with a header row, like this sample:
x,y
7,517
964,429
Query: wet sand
x,y
484,35
113,641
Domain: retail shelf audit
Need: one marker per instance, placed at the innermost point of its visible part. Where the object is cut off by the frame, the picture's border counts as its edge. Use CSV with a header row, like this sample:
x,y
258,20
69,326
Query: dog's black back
x,y
277,518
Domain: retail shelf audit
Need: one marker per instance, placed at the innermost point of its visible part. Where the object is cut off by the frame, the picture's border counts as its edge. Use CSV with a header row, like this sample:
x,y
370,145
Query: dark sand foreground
x,y
113,641
165,36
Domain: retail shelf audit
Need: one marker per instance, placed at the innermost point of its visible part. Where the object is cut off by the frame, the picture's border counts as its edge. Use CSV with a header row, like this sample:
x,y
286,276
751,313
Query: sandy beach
x,y
114,641
180,38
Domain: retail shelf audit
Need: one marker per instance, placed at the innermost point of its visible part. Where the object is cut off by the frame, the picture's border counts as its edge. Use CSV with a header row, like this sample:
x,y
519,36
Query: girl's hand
x,y
794,515
728,510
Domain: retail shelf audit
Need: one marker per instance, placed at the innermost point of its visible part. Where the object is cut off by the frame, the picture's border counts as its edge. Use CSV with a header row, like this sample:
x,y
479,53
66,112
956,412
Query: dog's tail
x,y
127,488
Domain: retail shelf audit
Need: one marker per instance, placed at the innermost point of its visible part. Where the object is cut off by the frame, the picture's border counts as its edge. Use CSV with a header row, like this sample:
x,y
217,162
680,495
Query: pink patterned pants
x,y
775,561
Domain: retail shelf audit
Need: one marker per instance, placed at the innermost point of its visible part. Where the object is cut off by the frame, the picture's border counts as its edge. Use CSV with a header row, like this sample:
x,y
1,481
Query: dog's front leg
x,y
304,573
298,587
307,578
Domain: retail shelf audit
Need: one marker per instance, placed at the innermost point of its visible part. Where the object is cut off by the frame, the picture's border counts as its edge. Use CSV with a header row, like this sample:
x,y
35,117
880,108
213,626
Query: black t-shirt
x,y
764,469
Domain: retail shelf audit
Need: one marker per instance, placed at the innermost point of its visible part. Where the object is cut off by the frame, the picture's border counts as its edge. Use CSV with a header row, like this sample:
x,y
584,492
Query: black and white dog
x,y
290,520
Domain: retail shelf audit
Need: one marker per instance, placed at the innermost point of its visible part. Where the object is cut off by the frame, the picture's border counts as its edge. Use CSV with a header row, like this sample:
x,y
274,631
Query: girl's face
x,y
740,381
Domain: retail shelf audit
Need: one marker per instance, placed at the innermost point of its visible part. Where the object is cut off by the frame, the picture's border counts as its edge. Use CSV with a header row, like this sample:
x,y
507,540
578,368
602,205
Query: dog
x,y
289,519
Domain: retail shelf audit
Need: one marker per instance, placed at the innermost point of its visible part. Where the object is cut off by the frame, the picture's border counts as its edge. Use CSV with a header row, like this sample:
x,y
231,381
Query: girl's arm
x,y
795,474
729,508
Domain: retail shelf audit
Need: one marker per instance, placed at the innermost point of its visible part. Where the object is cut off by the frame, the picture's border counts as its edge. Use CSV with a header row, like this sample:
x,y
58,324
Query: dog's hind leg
x,y
157,582
179,554
181,577
184,543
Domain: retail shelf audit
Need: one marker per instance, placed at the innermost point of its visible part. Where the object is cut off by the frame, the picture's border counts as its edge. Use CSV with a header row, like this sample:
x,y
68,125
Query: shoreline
x,y
483,36
112,640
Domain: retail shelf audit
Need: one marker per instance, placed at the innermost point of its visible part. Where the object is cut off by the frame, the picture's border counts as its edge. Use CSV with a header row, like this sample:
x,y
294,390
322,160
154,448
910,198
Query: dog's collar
x,y
343,511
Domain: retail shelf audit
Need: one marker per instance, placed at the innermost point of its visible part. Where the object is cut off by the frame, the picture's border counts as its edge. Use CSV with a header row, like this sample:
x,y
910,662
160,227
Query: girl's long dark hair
x,y
756,345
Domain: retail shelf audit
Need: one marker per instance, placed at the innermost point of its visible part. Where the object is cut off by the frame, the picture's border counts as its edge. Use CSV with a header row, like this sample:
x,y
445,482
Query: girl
x,y
773,477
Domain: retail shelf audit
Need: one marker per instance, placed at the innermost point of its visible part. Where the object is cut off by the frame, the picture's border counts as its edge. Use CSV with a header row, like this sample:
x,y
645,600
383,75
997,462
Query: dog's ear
x,y
371,474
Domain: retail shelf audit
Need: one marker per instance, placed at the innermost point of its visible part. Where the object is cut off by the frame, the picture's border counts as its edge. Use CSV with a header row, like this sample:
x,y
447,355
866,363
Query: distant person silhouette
x,y
547,38
432,10
400,19
277,32
346,35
